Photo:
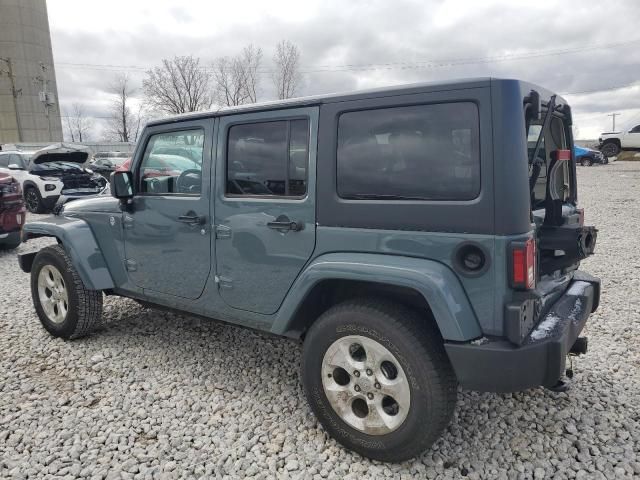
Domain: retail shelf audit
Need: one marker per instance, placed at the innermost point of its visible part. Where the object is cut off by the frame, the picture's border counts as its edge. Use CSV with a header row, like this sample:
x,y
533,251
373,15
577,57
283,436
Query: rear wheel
x,y
610,149
65,307
11,242
585,161
378,379
33,200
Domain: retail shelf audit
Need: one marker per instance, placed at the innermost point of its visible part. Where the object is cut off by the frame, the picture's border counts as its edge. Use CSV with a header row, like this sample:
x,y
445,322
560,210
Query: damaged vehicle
x,y
55,172
412,238
12,211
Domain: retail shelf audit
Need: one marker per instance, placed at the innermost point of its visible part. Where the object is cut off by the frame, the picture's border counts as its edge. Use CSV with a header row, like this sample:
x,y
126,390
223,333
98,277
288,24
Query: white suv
x,y
51,174
611,143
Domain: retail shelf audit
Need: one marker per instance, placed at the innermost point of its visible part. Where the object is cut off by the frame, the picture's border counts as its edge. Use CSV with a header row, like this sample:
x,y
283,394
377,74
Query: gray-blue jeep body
x,y
455,200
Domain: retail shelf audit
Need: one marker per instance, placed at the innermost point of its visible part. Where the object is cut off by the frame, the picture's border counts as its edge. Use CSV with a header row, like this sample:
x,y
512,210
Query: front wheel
x,y
586,161
610,149
378,379
66,308
33,200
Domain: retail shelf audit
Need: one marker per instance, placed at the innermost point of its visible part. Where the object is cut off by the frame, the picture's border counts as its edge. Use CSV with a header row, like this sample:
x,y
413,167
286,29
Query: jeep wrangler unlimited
x,y
410,236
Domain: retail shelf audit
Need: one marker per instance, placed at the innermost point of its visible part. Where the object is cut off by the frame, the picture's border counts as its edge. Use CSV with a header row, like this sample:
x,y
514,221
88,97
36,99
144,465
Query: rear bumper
x,y
500,366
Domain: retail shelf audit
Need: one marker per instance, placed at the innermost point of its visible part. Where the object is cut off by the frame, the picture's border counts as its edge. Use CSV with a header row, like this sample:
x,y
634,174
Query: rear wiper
x,y
537,165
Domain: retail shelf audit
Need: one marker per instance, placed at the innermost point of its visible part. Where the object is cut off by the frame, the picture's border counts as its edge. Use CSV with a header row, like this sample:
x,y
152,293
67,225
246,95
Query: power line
x,y
405,65
606,89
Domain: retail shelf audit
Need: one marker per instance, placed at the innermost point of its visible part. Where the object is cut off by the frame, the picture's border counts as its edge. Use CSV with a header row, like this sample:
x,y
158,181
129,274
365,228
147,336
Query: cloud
x,y
362,44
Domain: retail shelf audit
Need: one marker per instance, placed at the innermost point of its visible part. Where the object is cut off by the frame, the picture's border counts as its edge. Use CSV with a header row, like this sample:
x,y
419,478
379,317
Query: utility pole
x,y
15,93
613,116
45,96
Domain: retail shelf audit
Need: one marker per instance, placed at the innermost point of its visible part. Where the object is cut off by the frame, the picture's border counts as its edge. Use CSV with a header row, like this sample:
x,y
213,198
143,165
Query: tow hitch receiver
x,y
579,348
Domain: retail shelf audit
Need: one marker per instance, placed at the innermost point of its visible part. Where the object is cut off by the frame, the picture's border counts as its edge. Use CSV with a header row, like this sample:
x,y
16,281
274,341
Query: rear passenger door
x,y
265,205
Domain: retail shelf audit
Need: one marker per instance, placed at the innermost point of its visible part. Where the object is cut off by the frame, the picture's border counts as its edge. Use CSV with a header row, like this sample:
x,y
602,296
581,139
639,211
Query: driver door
x,y
167,230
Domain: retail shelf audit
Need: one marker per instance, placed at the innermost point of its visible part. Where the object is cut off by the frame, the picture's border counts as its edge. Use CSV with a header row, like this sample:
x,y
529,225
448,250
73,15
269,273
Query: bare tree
x,y
236,79
124,124
68,125
251,58
178,86
80,124
286,76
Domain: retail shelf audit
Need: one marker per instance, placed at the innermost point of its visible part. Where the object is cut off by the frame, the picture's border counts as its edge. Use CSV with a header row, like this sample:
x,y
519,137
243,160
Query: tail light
x,y
580,212
523,264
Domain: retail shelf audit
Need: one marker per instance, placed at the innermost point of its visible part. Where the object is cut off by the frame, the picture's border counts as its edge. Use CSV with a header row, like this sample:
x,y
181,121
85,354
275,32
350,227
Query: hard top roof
x,y
407,89
330,98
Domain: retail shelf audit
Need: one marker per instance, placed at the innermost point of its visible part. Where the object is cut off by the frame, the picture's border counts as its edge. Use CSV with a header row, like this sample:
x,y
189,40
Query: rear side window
x,y
421,152
268,158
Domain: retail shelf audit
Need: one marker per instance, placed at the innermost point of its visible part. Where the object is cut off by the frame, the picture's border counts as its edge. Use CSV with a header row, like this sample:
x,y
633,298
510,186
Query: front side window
x,y
421,152
268,158
635,129
172,163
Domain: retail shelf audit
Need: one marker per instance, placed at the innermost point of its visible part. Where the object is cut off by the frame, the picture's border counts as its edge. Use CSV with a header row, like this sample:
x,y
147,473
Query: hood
x,y
61,152
578,149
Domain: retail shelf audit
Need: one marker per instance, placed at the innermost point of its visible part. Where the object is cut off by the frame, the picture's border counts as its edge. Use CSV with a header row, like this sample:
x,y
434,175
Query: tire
x,y
11,242
418,418
610,149
83,307
585,161
33,200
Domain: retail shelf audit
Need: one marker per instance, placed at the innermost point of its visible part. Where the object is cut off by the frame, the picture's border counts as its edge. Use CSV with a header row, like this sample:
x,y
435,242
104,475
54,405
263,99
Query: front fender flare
x,y
437,283
77,239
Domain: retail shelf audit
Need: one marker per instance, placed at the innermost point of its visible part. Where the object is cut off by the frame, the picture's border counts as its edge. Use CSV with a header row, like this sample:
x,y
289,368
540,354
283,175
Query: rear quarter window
x,y
419,152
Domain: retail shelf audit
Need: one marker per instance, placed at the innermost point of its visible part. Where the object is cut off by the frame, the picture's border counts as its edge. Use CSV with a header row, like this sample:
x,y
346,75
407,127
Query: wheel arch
x,y
612,140
29,184
78,241
426,286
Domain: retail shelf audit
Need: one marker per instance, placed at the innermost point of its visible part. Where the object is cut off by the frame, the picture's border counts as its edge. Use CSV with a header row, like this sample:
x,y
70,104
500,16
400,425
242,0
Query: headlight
x,y
50,179
49,187
88,170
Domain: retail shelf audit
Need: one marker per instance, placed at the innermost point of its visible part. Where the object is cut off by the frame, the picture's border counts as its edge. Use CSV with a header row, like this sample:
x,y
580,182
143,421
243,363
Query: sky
x,y
586,50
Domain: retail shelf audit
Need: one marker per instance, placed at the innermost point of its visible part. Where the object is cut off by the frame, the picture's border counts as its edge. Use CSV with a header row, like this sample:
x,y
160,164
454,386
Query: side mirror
x,y
13,166
121,184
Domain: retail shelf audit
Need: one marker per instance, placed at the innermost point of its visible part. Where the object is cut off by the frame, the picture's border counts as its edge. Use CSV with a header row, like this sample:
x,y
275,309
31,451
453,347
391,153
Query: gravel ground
x,y
157,395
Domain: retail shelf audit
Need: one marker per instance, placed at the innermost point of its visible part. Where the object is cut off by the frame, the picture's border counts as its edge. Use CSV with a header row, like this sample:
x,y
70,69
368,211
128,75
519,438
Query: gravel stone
x,y
155,395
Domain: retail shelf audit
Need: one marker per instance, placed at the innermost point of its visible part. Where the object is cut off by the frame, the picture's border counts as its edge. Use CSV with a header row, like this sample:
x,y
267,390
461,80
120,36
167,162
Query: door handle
x,y
192,219
283,224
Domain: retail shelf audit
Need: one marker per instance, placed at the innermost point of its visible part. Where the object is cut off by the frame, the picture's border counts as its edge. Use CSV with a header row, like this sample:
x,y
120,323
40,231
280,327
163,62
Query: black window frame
x,y
288,121
477,194
138,166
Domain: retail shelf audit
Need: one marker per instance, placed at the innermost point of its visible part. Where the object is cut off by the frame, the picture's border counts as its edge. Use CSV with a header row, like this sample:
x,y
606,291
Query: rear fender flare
x,y
436,282
77,239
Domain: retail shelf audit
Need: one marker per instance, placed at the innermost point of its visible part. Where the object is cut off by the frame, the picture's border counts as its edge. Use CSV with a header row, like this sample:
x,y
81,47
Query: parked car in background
x,y
405,235
50,172
588,156
125,166
12,211
610,144
105,164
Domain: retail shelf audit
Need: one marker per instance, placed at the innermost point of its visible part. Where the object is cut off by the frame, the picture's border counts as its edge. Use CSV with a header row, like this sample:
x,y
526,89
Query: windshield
x,y
22,160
